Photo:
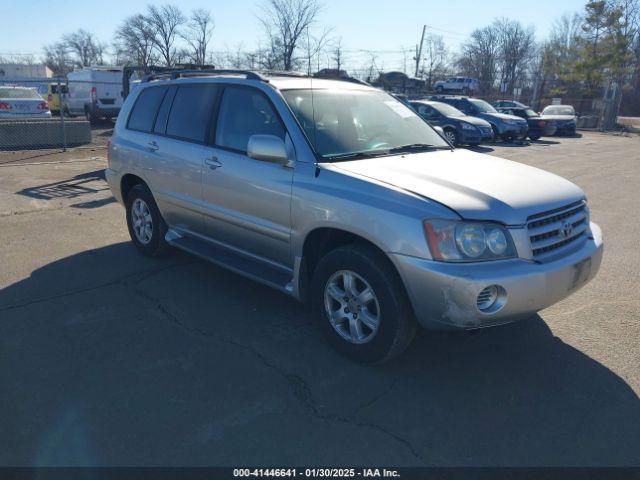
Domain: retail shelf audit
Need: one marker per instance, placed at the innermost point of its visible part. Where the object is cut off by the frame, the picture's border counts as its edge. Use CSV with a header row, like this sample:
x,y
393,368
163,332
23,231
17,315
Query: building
x,y
17,71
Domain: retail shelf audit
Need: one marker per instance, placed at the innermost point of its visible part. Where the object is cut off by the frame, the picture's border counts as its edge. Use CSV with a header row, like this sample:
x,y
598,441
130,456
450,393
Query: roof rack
x,y
174,74
249,74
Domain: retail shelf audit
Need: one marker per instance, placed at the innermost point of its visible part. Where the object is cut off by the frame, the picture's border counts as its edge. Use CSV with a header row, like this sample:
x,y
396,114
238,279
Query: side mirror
x,y
267,148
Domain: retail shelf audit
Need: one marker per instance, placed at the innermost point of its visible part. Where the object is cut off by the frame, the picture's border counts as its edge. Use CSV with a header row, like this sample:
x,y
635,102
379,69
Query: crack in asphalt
x,y
377,397
120,281
298,385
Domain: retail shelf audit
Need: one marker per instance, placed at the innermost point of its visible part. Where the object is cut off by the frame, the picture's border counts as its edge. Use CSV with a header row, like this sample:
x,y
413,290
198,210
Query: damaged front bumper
x,y
446,295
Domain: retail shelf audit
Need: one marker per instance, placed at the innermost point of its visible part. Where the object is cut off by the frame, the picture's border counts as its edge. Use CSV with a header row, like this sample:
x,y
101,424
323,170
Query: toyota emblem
x,y
566,230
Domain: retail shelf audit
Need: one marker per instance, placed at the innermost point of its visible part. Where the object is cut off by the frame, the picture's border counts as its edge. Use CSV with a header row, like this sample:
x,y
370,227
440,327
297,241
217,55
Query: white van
x,y
95,92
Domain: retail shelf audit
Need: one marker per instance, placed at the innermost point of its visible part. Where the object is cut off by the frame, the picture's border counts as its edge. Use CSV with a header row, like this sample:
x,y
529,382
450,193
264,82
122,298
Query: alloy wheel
x,y
352,307
141,221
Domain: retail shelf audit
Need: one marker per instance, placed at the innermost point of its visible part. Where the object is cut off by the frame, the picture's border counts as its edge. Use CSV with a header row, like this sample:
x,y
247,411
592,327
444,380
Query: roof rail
x,y
249,74
174,74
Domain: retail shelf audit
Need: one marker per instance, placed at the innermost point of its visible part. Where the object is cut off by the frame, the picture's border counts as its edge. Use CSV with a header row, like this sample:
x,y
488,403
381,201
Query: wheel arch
x,y
322,240
127,182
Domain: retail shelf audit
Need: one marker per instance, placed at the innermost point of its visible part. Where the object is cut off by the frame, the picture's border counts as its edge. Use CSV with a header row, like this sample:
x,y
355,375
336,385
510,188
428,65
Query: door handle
x,y
212,163
153,146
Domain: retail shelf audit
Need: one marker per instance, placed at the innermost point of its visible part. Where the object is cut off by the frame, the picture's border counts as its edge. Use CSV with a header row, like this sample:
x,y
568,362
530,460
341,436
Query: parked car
x,y
49,91
506,127
538,126
457,127
337,193
508,104
564,117
462,85
22,103
95,92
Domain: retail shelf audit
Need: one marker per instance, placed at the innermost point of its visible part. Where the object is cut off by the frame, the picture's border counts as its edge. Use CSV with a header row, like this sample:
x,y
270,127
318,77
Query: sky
x,y
386,27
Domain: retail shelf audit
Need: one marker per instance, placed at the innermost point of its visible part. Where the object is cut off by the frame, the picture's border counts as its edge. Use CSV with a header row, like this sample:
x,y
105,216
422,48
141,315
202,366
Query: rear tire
x,y
145,223
90,117
388,304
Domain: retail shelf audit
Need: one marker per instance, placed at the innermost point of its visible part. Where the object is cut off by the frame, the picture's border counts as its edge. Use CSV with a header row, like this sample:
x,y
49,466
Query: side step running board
x,y
238,263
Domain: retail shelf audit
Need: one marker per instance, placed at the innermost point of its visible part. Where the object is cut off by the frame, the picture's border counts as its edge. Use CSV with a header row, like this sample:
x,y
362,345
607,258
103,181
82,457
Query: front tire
x,y
451,136
145,223
534,138
362,305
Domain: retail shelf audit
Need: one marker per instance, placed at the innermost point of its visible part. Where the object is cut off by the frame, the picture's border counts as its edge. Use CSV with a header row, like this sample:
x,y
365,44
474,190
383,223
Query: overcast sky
x,y
386,27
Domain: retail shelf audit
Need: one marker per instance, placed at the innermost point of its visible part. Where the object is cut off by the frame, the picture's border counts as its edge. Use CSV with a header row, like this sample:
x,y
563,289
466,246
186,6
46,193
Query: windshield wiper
x,y
412,147
356,155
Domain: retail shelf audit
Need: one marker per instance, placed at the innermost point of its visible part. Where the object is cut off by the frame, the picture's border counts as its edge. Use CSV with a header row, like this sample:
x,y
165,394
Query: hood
x,y
559,117
476,186
473,121
504,116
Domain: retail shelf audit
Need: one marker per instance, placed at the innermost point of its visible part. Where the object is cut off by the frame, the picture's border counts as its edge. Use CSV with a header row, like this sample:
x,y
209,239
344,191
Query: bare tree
x,y
285,23
165,23
516,46
85,49
57,58
479,57
313,47
435,58
134,41
198,35
337,54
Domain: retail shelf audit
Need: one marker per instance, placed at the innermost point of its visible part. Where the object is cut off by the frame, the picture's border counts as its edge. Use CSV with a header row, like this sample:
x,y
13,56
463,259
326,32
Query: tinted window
x,y
191,112
144,111
245,112
163,112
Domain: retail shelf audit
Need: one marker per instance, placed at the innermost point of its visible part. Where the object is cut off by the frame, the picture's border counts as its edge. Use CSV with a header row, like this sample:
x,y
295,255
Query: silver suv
x,y
335,192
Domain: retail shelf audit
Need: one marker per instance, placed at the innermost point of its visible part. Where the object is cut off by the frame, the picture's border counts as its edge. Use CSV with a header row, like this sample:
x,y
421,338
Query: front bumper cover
x,y
443,295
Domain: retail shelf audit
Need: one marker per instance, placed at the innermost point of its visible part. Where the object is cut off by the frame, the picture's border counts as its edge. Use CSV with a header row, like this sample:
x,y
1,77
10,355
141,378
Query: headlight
x,y
467,126
453,241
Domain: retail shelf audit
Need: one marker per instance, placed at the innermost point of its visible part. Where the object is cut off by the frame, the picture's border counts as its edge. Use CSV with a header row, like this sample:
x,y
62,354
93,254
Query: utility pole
x,y
419,51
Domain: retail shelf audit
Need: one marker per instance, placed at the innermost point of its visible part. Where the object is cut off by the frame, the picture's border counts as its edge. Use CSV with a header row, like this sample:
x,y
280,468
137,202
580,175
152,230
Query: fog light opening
x,y
491,299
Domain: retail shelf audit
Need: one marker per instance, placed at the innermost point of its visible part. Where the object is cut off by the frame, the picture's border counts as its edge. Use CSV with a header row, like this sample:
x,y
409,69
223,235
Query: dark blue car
x,y
458,127
538,126
506,127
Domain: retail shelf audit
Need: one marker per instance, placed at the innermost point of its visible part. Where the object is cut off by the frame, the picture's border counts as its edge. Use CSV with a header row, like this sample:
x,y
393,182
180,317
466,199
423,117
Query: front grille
x,y
558,228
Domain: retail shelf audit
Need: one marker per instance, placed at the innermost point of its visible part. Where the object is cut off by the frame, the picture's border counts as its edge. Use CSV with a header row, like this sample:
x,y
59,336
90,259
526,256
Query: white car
x,y
18,103
462,85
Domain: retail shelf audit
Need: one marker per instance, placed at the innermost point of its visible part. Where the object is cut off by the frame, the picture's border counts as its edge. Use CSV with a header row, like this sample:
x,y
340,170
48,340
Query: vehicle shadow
x,y
480,149
89,183
544,142
110,348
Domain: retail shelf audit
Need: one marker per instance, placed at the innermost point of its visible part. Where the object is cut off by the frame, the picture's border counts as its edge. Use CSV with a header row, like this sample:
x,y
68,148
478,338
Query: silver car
x,y
22,103
335,192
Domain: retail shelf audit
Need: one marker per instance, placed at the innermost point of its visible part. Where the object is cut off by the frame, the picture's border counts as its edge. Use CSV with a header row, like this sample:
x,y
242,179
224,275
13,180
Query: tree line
x,y
589,54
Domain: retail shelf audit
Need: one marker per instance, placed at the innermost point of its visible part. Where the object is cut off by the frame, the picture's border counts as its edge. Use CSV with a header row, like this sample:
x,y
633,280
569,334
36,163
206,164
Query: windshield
x,y
559,110
348,122
19,93
447,110
483,106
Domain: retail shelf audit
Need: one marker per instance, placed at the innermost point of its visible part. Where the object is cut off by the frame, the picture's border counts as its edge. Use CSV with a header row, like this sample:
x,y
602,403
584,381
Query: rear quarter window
x,y
191,112
144,111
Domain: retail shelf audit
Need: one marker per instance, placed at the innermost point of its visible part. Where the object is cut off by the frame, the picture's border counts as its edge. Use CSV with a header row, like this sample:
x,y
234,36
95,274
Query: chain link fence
x,y
34,115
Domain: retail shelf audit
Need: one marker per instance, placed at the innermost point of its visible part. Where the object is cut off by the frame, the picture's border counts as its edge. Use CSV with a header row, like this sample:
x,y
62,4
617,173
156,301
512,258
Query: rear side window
x,y
144,111
191,112
245,112
163,113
